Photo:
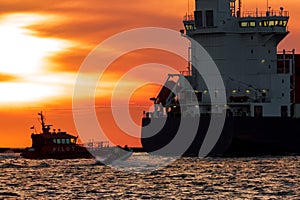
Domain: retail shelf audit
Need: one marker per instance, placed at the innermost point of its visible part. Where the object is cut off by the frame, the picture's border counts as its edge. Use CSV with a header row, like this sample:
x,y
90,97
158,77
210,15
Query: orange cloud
x,y
7,77
79,26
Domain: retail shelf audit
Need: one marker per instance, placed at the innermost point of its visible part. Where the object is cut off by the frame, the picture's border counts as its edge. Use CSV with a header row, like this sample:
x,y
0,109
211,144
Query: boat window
x,y
63,141
267,23
271,23
245,24
209,18
258,111
252,24
54,141
72,140
284,111
67,141
58,141
285,23
189,27
198,19
199,96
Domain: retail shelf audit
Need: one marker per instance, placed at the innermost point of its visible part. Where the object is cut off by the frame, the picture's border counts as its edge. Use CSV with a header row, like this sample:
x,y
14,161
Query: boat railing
x,y
253,14
271,13
185,73
97,144
189,17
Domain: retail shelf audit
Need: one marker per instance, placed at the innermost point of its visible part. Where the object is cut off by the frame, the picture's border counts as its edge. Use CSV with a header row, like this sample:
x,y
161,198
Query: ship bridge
x,y
264,21
221,16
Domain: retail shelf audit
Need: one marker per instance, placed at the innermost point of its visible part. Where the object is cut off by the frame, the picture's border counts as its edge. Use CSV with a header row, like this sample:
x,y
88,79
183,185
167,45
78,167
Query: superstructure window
x,y
209,18
252,24
189,27
258,111
267,23
198,19
245,24
284,111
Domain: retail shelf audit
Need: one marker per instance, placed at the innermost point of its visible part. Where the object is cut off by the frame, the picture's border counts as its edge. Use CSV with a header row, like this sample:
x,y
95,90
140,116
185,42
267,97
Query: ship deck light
x,y
264,91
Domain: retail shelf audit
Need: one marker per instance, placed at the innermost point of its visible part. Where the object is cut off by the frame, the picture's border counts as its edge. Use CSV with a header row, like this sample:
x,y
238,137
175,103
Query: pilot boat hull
x,y
57,152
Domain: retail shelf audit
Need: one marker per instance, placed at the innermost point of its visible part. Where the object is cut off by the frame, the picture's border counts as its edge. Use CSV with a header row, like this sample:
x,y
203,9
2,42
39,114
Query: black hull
x,y
241,136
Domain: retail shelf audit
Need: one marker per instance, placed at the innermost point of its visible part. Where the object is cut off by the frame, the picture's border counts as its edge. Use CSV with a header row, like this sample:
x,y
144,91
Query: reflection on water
x,y
264,177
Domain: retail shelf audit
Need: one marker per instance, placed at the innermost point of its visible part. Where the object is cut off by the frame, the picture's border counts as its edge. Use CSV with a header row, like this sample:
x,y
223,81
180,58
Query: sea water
x,y
141,177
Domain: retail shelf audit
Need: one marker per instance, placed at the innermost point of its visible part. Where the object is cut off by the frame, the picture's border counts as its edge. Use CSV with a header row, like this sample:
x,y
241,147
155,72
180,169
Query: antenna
x,y
188,14
240,7
188,10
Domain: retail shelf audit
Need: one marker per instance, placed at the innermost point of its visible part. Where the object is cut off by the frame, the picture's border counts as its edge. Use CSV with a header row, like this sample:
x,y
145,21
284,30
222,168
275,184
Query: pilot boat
x,y
52,144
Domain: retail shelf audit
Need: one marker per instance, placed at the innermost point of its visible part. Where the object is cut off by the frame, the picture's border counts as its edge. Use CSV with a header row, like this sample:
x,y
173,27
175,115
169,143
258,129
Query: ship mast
x,y
45,128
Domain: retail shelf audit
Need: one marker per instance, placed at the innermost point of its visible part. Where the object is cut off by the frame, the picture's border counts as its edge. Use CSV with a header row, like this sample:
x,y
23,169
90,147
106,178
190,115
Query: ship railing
x,y
247,14
271,13
97,144
188,17
185,73
285,52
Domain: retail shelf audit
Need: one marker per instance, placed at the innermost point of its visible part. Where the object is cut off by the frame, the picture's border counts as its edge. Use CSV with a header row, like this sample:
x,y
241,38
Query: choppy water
x,y
187,178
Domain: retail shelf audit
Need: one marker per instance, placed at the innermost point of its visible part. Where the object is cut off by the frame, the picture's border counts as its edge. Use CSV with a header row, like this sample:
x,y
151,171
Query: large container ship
x,y
262,87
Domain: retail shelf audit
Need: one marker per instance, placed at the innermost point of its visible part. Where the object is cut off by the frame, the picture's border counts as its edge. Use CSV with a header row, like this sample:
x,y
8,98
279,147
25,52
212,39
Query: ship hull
x,y
241,136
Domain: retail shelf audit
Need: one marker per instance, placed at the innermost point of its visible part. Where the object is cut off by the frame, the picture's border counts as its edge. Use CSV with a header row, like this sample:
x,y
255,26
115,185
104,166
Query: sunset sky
x,y
43,43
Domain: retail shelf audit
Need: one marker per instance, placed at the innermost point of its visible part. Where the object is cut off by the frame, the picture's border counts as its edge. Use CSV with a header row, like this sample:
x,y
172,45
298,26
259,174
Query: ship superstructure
x,y
262,97
244,47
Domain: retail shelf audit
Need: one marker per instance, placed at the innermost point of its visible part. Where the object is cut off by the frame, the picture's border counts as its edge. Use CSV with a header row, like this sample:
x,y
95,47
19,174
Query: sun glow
x,y
26,91
24,56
